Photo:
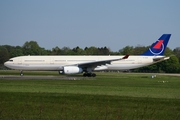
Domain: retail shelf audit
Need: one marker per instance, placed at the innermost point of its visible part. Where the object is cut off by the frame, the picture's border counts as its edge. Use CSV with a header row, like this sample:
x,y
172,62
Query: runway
x,y
51,77
170,74
166,74
28,77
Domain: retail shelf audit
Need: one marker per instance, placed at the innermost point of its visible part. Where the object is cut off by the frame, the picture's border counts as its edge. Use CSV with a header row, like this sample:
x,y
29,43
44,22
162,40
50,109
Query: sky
x,y
85,23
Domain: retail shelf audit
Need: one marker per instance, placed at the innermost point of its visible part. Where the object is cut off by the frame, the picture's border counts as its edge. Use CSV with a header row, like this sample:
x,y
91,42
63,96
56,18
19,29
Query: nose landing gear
x,y
21,73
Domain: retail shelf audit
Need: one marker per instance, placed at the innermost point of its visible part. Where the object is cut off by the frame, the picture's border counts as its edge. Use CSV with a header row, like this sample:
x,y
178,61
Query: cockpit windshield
x,y
10,60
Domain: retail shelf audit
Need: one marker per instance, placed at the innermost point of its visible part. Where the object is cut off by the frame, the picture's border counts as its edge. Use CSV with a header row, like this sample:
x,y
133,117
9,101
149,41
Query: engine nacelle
x,y
72,70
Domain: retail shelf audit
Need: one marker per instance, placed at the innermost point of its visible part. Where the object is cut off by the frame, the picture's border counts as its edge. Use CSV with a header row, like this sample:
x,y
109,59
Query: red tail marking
x,y
158,45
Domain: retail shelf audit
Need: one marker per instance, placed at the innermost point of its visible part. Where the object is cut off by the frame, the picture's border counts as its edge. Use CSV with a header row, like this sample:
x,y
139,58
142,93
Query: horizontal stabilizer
x,y
160,59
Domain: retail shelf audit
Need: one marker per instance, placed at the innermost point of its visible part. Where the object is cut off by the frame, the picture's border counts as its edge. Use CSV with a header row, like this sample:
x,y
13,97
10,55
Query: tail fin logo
x,y
157,48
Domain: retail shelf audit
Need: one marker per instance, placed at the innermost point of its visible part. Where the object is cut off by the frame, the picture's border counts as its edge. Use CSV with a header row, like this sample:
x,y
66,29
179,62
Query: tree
x,y
31,48
176,52
168,52
91,50
78,51
128,50
43,51
139,50
67,51
16,51
167,64
103,51
4,55
170,66
56,51
151,68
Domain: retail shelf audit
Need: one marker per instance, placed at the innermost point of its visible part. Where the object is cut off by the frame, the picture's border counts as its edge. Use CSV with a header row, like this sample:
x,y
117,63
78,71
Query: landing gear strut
x,y
89,75
21,73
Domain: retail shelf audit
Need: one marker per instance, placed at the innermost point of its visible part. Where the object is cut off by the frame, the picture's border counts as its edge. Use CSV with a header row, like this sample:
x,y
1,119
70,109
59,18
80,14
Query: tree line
x,y
171,65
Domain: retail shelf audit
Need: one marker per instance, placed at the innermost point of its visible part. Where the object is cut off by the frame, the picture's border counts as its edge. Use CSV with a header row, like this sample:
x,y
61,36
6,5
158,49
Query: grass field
x,y
108,96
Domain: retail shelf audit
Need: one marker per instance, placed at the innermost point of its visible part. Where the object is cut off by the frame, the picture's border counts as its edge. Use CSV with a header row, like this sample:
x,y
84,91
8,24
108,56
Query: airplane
x,y
88,64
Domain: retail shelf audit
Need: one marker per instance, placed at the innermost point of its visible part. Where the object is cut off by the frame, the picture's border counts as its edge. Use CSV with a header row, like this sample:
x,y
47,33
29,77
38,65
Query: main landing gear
x,y
89,75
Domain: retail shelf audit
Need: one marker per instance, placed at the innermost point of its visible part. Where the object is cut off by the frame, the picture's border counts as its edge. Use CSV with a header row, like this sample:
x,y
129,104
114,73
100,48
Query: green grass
x,y
108,96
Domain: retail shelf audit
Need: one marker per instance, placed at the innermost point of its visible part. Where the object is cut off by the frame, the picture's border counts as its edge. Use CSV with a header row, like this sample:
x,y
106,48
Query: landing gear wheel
x,y
21,73
93,75
85,74
89,75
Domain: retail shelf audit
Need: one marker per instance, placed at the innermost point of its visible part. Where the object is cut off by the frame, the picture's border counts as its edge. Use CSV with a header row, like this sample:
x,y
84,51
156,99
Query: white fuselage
x,y
58,62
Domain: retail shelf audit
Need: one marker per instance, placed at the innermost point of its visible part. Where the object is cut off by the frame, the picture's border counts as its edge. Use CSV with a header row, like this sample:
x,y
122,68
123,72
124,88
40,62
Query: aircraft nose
x,y
6,64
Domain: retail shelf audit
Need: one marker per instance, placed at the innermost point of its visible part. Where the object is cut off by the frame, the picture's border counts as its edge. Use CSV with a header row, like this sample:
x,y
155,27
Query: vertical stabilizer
x,y
158,47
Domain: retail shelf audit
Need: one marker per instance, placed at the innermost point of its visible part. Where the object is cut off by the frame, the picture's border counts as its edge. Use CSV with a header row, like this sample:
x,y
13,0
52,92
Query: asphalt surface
x,y
30,77
26,77
170,74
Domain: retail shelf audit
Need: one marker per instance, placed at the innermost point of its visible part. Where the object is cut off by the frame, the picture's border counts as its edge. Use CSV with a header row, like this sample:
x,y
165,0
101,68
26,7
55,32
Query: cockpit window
x,y
10,60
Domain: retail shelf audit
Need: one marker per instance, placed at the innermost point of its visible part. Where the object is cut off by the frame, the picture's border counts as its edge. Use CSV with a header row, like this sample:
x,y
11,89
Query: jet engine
x,y
72,70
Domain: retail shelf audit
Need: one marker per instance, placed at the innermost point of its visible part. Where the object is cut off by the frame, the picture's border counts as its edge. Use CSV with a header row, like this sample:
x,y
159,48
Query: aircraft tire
x,y
21,73
89,75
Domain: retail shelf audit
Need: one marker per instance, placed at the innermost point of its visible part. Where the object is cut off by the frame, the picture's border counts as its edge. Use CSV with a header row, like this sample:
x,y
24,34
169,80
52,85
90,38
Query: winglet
x,y
125,57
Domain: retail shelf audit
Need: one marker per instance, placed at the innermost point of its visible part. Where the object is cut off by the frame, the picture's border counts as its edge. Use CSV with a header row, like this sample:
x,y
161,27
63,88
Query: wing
x,y
99,62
